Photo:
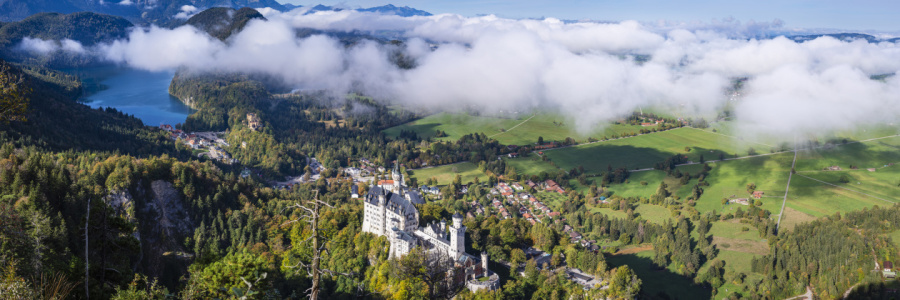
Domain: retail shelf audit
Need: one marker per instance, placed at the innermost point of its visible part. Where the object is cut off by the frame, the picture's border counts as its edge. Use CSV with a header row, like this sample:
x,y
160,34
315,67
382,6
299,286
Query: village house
x,y
758,194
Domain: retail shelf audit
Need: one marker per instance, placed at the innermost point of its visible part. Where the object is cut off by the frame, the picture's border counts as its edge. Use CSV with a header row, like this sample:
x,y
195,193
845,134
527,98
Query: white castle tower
x,y
484,263
457,236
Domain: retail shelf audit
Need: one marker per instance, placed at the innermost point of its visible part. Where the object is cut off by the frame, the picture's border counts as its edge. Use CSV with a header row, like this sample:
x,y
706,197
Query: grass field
x,y
645,151
810,196
531,165
895,237
649,212
728,178
734,230
445,173
654,213
509,131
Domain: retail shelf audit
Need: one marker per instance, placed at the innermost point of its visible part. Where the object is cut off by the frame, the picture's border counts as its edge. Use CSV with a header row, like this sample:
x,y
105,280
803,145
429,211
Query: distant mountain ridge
x,y
163,12
138,11
390,9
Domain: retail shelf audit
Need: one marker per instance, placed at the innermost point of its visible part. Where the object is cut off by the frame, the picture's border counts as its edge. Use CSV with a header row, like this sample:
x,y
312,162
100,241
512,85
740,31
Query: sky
x,y
861,15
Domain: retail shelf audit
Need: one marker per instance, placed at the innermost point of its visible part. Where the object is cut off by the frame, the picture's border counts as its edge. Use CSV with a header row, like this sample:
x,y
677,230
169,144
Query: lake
x,y
140,93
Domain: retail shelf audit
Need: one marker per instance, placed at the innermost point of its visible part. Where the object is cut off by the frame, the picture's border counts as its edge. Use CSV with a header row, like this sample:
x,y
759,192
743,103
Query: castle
x,y
389,211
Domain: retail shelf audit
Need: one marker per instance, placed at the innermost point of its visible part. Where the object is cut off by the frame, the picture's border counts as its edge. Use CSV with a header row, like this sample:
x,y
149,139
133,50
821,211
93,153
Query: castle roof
x,y
457,215
394,202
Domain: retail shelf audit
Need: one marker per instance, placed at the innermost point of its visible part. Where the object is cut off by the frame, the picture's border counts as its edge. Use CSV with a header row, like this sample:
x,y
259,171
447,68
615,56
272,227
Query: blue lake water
x,y
140,93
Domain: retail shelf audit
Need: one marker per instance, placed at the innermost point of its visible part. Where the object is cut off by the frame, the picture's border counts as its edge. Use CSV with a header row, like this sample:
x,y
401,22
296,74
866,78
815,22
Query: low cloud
x,y
593,72
187,11
45,47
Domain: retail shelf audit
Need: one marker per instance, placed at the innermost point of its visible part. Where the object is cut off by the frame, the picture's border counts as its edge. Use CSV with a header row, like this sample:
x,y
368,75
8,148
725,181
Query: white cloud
x,y
38,46
581,69
187,11
126,2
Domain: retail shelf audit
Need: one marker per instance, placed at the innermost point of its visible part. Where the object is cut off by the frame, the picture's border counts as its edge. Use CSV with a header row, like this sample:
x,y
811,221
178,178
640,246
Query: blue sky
x,y
880,15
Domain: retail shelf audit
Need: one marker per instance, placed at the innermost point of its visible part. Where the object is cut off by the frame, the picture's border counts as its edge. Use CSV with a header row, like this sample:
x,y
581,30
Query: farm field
x,y
508,131
649,212
728,178
445,174
531,165
644,151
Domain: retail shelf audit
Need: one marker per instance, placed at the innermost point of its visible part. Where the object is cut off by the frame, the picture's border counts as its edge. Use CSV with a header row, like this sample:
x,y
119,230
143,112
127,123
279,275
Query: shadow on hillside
x,y
877,290
423,130
659,284
599,157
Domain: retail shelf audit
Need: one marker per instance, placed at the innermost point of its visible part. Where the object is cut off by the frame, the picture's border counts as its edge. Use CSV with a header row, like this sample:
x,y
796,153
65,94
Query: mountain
x,y
390,9
222,22
138,11
847,37
87,28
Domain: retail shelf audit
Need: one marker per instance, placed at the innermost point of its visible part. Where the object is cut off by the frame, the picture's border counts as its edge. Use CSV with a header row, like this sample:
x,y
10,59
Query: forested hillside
x,y
86,28
222,22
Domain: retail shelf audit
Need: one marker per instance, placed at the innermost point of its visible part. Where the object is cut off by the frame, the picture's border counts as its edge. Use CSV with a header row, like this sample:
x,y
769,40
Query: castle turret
x,y
457,236
484,263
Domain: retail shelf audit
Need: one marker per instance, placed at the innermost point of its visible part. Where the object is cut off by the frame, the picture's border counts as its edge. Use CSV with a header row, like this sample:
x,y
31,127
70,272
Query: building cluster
x,y
389,211
529,207
208,141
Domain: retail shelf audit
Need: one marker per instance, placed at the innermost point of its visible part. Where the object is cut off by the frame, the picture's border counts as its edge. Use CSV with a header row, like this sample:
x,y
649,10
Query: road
x,y
788,187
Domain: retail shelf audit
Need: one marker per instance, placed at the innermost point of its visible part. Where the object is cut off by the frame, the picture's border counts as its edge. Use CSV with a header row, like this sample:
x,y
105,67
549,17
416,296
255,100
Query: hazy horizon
x,y
829,14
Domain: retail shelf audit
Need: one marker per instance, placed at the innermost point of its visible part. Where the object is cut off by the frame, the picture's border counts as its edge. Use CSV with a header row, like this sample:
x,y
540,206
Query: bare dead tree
x,y
436,268
309,212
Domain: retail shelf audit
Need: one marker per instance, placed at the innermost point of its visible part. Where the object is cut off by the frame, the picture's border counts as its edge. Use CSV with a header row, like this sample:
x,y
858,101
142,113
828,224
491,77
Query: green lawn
x,y
445,173
547,125
553,200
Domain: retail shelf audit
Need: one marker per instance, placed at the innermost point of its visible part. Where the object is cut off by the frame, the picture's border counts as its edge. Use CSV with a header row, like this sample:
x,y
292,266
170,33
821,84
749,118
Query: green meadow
x,y
519,130
447,173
